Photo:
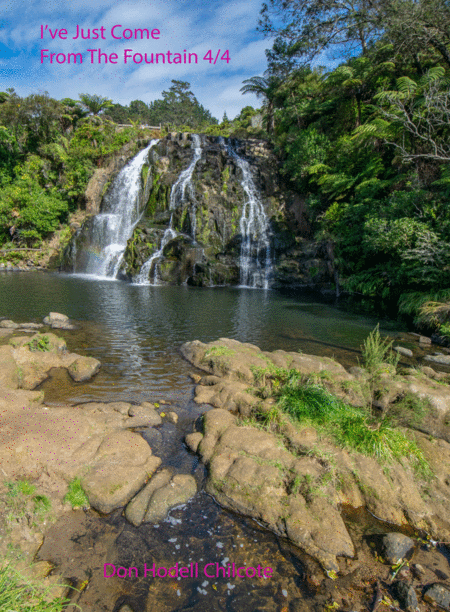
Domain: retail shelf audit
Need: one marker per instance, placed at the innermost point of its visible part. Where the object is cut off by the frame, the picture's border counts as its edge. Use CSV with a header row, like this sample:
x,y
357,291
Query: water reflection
x,y
136,331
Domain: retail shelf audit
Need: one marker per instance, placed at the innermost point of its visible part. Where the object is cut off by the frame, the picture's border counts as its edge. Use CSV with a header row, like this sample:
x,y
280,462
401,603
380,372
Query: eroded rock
x,y
121,465
175,493
83,368
137,508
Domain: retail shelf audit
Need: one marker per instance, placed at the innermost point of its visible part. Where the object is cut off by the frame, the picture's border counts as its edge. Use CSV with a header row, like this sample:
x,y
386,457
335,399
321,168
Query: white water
x,y
143,277
112,228
255,263
177,197
184,183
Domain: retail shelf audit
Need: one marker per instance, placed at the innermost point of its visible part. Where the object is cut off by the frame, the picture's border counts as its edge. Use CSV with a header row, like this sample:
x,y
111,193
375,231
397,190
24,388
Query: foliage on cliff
x,y
49,149
367,144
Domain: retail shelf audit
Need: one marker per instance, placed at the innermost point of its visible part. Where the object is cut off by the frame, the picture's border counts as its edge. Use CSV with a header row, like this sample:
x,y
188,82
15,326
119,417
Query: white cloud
x,y
195,26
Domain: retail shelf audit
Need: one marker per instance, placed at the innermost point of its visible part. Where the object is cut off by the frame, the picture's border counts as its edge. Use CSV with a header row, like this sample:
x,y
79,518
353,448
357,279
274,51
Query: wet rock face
x,y
206,216
396,547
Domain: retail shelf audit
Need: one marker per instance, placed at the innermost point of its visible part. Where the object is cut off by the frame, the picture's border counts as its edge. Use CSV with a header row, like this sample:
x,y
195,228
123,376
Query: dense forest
x,y
366,144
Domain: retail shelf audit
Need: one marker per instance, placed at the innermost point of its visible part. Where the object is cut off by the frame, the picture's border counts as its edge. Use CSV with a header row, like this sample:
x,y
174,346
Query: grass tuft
x,y
19,593
377,352
351,427
75,495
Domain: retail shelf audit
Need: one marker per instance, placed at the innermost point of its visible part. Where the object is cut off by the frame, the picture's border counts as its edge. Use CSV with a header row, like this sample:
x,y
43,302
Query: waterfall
x,y
177,196
143,277
254,262
184,183
109,231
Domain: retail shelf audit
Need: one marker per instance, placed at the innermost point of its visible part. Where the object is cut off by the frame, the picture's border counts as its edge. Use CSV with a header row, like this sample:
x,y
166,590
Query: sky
x,y
197,26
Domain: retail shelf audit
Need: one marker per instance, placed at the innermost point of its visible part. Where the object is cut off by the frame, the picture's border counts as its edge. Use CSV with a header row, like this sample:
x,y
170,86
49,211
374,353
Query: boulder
x,y
83,368
57,320
401,350
193,440
424,340
395,547
147,414
246,364
31,326
137,508
406,596
121,465
172,417
178,491
56,317
8,324
438,594
441,359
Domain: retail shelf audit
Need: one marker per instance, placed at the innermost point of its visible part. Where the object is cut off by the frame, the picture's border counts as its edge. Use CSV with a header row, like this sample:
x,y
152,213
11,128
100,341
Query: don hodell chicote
x,y
192,570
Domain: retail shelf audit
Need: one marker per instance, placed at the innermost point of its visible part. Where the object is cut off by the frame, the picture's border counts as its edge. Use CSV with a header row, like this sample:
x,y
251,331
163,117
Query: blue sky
x,y
195,25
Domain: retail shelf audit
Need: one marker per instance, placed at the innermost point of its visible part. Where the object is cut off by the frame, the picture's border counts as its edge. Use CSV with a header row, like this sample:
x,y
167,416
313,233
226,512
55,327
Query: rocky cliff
x,y
214,213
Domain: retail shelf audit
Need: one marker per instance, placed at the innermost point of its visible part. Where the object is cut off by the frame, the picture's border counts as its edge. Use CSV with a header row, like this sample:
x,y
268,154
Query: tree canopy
x,y
366,144
306,28
95,104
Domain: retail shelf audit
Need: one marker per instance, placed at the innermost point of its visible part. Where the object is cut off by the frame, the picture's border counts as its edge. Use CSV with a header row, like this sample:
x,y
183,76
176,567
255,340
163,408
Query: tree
x,y
95,104
263,87
413,26
179,107
415,117
312,26
305,28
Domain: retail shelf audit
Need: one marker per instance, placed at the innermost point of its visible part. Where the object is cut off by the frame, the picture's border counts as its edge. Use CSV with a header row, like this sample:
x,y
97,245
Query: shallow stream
x,y
136,332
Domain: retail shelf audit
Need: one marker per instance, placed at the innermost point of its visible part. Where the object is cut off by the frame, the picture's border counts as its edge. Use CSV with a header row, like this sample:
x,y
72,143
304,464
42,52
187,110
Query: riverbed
x,y
136,332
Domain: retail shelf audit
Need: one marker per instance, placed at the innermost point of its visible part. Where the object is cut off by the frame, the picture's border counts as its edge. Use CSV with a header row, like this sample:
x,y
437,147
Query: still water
x,y
136,332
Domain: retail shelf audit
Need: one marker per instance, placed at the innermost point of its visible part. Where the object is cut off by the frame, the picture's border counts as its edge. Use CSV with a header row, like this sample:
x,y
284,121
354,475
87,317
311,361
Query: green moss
x,y
225,177
106,187
144,174
217,351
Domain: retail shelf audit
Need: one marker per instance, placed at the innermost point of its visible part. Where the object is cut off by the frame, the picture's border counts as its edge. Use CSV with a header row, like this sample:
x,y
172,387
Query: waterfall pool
x,y
136,332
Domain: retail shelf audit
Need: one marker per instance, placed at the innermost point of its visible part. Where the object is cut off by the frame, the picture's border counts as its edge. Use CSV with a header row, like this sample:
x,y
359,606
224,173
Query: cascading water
x,y
110,230
254,262
143,277
177,197
184,183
